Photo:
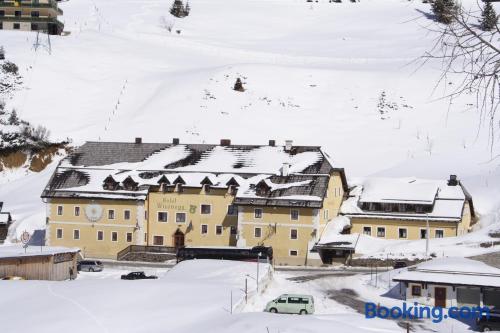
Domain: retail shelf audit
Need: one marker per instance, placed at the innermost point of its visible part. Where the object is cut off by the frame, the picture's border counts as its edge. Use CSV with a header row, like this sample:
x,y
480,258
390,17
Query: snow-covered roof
x,y
83,173
454,271
14,251
5,218
332,236
446,201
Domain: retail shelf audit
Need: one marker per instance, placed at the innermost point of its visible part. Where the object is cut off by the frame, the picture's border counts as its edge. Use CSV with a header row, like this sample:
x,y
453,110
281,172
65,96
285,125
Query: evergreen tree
x,y
2,53
238,85
178,9
444,10
489,19
187,9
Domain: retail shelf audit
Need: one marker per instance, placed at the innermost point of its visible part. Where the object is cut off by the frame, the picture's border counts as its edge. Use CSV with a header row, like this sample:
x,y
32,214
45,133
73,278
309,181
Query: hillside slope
x,y
337,75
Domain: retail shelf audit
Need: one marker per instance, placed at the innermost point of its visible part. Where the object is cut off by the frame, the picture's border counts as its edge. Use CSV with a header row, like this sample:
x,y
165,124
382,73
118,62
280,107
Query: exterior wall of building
x,y
189,202
466,223
88,240
26,16
40,267
332,202
427,296
392,227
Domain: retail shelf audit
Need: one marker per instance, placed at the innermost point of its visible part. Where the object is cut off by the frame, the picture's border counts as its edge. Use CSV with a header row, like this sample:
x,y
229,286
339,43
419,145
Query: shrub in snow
x,y
10,68
2,53
166,24
444,10
238,86
13,118
489,17
179,10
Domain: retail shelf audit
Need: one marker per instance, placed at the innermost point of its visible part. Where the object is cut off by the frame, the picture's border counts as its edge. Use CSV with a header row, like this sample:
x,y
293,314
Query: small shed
x,y
38,262
448,282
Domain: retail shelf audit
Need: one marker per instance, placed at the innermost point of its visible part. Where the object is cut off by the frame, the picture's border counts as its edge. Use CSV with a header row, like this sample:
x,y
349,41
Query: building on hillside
x,y
5,222
108,196
31,15
451,282
38,262
405,208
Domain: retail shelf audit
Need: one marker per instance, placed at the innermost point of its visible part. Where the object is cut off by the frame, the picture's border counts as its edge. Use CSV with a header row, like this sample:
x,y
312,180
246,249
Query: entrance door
x,y
440,297
178,239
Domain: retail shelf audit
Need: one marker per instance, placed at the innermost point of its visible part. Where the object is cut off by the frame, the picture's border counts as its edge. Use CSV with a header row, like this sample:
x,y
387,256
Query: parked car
x,y
89,266
137,276
492,323
290,303
13,278
400,264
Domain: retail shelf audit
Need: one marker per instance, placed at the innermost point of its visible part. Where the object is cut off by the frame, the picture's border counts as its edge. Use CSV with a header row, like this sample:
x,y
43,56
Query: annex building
x,y
107,196
31,15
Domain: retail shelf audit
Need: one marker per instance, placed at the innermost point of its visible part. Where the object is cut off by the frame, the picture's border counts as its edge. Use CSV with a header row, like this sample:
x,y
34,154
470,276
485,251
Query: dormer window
x,y
232,185
262,188
110,184
179,183
206,183
129,184
164,183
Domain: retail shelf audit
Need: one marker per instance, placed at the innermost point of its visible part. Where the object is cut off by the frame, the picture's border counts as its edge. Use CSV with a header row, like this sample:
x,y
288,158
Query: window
x,y
257,213
1,24
218,230
423,233
325,214
35,14
206,209
293,234
60,210
403,233
59,233
380,231
77,211
282,300
294,253
100,235
157,240
206,188
2,12
439,233
234,230
416,290
419,209
76,234
17,13
114,236
17,26
294,300
294,214
129,237
126,215
111,214
367,231
257,232
204,229
232,210
180,217
162,217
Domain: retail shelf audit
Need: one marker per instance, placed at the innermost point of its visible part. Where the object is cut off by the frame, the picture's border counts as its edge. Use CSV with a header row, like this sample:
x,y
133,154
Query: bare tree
x,y
473,55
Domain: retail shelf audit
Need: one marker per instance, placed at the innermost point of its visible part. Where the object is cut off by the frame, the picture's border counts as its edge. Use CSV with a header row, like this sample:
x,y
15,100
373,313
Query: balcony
x,y
18,4
32,20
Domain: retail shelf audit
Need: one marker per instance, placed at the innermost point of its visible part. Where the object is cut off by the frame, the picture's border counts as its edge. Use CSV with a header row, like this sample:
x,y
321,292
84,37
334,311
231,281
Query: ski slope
x,y
340,75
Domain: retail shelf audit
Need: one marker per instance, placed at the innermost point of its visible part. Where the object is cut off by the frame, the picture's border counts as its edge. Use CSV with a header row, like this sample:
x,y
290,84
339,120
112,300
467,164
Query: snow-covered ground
x,y
338,75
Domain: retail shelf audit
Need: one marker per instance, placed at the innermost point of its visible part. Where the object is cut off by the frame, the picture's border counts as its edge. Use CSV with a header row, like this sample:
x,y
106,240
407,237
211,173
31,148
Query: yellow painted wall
x,y
392,225
333,201
88,243
189,202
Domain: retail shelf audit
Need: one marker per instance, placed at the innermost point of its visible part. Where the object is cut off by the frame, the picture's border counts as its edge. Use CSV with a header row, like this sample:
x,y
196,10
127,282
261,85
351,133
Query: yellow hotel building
x,y
107,196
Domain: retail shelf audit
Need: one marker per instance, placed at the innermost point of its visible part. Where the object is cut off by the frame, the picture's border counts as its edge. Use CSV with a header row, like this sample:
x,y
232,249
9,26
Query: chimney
x,y
285,169
453,181
272,143
225,142
288,145
175,141
138,140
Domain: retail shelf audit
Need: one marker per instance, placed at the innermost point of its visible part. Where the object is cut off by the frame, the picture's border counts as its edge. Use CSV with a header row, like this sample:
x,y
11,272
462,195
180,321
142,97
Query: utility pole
x,y
427,235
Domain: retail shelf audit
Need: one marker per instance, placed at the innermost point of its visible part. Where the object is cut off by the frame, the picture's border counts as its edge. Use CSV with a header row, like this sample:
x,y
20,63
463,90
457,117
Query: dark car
x,y
400,264
489,323
137,276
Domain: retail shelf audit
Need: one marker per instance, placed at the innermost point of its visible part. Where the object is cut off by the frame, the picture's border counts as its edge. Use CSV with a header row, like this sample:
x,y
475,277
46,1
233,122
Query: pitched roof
x,y
82,173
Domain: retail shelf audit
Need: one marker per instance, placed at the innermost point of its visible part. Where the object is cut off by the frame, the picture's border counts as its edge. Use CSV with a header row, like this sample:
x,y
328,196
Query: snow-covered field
x,y
338,75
